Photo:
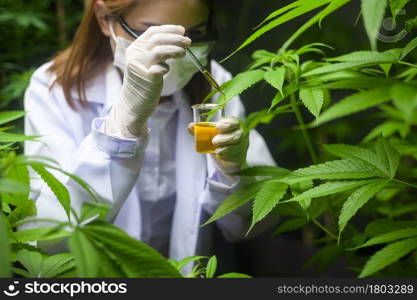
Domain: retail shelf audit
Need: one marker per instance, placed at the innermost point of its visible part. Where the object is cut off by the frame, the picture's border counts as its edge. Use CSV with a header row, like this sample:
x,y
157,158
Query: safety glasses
x,y
199,34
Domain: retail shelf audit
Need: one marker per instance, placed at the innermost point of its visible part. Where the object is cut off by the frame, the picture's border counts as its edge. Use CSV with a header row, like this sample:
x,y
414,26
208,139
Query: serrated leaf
x,y
409,48
297,189
356,152
59,190
337,67
373,57
237,199
388,255
373,12
290,225
238,85
26,160
358,199
318,18
353,104
337,169
358,83
389,156
276,78
278,12
266,199
312,99
136,258
287,91
389,237
211,267
329,188
289,15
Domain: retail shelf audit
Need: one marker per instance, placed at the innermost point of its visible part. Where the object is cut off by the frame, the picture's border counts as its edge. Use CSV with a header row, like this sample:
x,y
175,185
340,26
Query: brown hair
x,y
91,51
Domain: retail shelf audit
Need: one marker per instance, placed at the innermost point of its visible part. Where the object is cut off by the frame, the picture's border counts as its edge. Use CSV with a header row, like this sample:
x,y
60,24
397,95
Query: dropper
x,y
204,71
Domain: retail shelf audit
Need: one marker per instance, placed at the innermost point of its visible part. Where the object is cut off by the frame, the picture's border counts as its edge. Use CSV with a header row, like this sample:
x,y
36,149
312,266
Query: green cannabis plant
x,y
374,179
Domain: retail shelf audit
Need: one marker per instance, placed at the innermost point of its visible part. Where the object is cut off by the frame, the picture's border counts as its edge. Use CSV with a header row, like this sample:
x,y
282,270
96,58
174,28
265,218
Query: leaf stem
x,y
327,231
407,64
405,183
301,123
29,220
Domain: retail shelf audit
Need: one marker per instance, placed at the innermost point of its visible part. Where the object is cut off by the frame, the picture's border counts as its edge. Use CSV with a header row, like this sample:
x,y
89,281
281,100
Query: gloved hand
x,y
143,79
231,145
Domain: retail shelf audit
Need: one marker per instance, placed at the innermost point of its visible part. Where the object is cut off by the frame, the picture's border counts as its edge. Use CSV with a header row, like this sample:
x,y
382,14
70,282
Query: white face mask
x,y
181,69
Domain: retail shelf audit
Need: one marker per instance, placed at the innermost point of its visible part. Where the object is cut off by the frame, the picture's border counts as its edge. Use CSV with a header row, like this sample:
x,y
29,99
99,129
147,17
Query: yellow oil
x,y
204,132
213,83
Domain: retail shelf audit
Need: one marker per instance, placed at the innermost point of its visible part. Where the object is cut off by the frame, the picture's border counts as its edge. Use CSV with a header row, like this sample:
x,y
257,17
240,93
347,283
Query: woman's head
x,y
142,14
91,49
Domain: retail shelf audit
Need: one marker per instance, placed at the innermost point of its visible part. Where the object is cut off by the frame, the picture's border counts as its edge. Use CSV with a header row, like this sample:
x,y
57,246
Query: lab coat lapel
x,y
113,88
190,177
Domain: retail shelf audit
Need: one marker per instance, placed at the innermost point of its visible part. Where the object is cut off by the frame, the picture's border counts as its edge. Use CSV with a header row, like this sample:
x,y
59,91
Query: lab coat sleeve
x,y
235,224
110,165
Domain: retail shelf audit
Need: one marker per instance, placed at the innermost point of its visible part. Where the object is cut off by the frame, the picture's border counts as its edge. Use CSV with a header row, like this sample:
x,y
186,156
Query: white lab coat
x,y
76,140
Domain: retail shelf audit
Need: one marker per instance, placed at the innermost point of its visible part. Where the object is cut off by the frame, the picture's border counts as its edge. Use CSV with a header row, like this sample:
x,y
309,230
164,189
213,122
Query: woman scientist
x,y
114,109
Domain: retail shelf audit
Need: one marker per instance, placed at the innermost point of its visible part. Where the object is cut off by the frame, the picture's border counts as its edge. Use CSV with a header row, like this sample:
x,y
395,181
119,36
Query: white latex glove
x,y
143,79
231,145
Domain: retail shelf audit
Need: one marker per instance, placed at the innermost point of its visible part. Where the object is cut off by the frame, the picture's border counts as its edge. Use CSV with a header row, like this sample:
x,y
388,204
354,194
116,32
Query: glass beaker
x,y
206,117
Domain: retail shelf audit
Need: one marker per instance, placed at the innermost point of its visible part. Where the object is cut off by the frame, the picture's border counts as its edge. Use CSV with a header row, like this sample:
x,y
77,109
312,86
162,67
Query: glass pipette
x,y
204,71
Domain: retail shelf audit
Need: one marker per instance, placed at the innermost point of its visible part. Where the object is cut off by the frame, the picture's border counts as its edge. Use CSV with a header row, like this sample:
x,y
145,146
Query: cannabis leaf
x,y
389,237
389,156
59,190
353,104
373,12
237,199
388,255
99,245
336,169
409,48
266,199
313,99
329,188
276,78
358,199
